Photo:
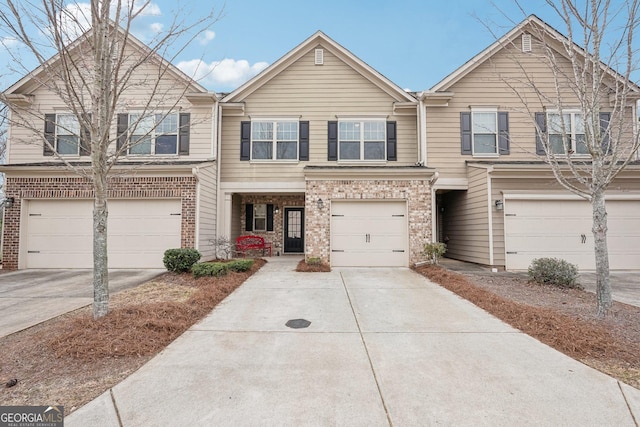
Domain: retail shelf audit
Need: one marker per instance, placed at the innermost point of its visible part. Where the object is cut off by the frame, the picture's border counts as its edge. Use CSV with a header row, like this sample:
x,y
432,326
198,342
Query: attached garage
x,y
369,234
561,228
58,233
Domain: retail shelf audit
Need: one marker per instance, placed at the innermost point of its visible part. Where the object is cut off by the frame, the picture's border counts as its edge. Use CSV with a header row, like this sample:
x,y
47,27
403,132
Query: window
x,y
362,140
274,140
67,140
260,217
155,134
566,133
485,132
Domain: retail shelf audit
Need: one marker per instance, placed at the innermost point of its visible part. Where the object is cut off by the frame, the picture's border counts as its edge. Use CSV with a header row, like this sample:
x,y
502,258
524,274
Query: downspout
x,y
434,207
218,146
422,130
490,202
195,171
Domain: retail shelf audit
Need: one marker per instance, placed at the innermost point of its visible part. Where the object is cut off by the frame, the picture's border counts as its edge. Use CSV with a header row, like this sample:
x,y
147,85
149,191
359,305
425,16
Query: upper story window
x,y
274,140
566,133
65,136
485,132
362,140
154,134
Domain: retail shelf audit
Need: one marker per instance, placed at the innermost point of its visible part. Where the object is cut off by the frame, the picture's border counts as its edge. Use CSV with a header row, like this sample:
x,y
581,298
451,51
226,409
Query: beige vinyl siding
x,y
316,94
207,202
466,221
541,186
26,143
489,86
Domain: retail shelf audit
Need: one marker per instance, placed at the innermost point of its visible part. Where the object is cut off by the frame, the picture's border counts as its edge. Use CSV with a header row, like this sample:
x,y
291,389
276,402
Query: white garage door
x,y
562,229
59,233
369,234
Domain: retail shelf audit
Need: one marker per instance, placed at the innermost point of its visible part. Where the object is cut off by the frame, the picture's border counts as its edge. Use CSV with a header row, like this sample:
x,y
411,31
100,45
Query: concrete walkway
x,y
29,297
385,347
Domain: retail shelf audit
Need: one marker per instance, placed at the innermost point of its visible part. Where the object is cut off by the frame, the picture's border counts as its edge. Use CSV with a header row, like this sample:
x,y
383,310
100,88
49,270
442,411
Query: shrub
x,y
554,271
240,265
314,261
434,251
215,269
180,260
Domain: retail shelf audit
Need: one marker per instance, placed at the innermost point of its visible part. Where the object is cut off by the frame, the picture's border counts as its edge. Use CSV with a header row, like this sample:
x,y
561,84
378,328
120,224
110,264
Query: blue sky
x,y
414,43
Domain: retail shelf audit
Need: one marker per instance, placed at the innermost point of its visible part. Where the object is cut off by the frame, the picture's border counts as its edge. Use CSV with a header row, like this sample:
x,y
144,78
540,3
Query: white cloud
x,y
221,75
206,36
75,20
152,9
9,42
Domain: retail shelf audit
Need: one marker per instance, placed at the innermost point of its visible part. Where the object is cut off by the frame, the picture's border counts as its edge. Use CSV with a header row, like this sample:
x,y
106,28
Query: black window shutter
x,y
392,142
123,126
269,217
332,149
49,134
503,132
85,136
249,217
304,141
245,140
465,132
604,126
184,133
541,130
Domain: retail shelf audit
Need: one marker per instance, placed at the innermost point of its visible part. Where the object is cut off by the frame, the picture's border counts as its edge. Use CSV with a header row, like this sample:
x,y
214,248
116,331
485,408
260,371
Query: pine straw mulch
x,y
72,359
305,267
564,319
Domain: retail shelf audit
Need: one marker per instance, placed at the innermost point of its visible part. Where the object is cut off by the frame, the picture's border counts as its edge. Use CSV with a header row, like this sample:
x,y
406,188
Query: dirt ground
x,y
72,359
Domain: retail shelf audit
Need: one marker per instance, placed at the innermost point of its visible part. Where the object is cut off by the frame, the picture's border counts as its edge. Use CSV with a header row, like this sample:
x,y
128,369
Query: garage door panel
x,y
368,233
563,229
59,233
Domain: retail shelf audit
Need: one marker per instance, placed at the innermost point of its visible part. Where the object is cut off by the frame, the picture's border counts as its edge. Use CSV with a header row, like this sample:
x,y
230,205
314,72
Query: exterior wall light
x,y
9,201
320,204
499,205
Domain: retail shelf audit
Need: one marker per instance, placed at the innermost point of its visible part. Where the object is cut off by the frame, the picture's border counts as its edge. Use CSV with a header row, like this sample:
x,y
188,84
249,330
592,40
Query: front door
x,y
294,230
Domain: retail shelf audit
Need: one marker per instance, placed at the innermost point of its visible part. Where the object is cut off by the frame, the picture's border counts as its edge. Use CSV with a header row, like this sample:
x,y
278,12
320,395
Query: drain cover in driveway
x,y
298,323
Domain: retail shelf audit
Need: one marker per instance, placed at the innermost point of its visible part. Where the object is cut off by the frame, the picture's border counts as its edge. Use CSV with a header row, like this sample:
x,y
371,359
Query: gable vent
x,y
319,58
526,42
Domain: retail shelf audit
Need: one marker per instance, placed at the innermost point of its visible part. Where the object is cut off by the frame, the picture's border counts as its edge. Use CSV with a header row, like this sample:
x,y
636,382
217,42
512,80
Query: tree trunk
x,y
603,286
100,258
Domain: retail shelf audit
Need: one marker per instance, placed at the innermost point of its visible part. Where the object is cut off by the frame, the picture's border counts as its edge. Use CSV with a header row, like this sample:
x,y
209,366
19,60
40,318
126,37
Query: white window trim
x,y
153,135
361,119
274,141
493,110
55,140
572,112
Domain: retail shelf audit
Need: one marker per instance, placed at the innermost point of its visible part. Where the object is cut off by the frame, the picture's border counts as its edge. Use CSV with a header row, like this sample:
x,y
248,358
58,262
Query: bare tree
x,y
92,68
588,132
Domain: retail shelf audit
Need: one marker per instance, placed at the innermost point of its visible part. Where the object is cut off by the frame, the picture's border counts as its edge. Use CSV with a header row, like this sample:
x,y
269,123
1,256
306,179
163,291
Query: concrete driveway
x,y
384,347
29,297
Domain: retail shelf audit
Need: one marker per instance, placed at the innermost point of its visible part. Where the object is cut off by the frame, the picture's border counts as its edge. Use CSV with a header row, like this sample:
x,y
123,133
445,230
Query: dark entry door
x,y
294,230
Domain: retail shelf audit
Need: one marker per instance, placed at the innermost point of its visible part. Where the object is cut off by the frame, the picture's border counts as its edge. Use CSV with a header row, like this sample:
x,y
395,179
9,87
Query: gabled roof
x,y
303,48
532,20
131,39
